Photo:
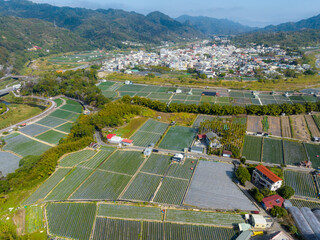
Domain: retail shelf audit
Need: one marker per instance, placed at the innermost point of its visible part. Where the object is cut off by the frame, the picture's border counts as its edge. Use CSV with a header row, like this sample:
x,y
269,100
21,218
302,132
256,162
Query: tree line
x,y
215,109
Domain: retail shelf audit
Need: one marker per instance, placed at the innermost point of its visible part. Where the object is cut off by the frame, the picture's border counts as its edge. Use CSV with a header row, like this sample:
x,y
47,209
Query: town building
x,y
271,201
263,177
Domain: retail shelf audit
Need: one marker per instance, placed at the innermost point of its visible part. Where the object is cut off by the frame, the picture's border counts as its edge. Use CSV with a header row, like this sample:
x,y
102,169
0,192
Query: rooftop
x,y
274,200
273,177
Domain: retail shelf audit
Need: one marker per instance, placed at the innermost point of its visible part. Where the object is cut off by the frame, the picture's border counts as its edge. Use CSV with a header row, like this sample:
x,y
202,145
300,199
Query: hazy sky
x,y
250,12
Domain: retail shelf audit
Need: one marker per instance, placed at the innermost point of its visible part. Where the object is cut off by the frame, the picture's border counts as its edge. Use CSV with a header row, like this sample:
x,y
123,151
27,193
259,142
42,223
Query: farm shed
x,y
195,149
246,235
271,201
258,221
264,177
226,153
302,224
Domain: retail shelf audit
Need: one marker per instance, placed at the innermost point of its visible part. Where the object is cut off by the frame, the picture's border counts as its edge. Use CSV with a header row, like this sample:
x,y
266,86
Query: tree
x,y
267,192
292,229
243,175
243,160
4,186
256,194
286,192
278,212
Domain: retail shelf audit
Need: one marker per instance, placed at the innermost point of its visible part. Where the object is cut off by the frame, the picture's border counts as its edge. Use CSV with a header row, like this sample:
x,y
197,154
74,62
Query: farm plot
x,y
58,102
316,119
126,162
154,126
65,188
254,124
274,126
129,212
303,203
272,151
172,191
294,152
107,228
34,219
24,146
301,182
142,187
222,219
106,85
47,186
131,88
71,220
252,148
191,232
8,162
300,129
202,118
312,126
157,164
65,127
285,127
178,138
77,108
97,159
51,136
65,115
313,154
184,170
51,121
33,129
74,159
102,185
153,231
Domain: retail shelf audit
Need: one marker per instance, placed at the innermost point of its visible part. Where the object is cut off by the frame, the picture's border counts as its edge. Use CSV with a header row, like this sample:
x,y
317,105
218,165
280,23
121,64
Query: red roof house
x,y
263,177
271,201
266,172
109,136
127,141
202,136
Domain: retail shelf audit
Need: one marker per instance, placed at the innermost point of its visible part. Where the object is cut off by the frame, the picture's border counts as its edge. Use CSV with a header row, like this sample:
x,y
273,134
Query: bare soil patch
x,y
254,124
285,127
300,128
312,126
274,126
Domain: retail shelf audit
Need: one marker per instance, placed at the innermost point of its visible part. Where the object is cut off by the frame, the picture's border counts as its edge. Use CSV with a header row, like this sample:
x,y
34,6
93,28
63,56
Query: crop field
x,y
172,191
222,219
184,170
51,121
8,162
294,152
149,133
102,185
153,231
274,126
34,219
129,212
142,187
24,146
313,151
51,136
285,127
316,119
252,148
97,159
191,232
58,102
254,124
272,151
33,129
302,183
77,108
65,115
47,186
178,138
65,188
107,228
157,164
65,127
303,203
74,159
202,118
300,129
106,85
126,162
312,126
71,220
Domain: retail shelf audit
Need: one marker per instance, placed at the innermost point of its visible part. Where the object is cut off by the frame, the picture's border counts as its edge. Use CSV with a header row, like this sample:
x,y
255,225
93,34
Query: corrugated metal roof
x,y
245,235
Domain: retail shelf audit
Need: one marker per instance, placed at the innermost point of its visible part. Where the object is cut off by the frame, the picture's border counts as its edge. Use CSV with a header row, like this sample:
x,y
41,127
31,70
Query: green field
x,y
153,230
313,153
129,212
51,121
316,118
301,182
72,108
222,219
97,159
102,185
65,127
172,191
184,170
47,186
65,188
178,138
157,164
126,162
71,220
34,219
252,148
58,102
74,159
142,187
294,152
65,115
272,151
51,136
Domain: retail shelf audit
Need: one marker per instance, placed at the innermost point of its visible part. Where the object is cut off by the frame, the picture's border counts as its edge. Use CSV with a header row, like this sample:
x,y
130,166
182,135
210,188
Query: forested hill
x,y
17,35
208,25
104,27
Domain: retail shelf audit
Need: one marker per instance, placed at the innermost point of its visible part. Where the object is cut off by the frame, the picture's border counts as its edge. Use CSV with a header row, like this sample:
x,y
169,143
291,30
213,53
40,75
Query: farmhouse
x,y
212,140
126,142
264,177
114,139
271,201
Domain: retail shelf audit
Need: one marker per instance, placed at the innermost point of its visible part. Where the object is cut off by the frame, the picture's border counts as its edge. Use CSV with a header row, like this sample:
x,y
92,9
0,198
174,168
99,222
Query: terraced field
x,y
51,121
65,127
157,164
64,115
8,162
33,129
74,159
184,170
252,148
51,136
77,108
272,151
95,161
